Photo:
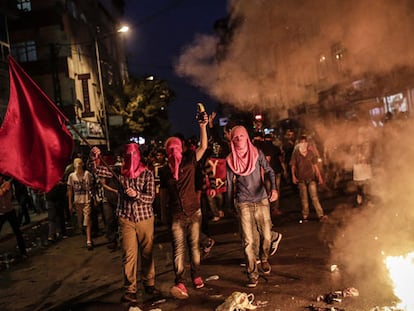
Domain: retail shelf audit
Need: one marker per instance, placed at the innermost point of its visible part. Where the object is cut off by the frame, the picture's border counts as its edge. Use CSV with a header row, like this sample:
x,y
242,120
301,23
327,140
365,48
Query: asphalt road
x,y
66,276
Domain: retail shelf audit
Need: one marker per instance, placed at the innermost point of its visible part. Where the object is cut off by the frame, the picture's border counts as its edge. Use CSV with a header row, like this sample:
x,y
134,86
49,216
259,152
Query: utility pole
x,y
102,95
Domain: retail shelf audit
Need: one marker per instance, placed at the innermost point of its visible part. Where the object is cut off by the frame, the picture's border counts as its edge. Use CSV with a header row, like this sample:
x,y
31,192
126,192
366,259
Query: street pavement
x,y
66,276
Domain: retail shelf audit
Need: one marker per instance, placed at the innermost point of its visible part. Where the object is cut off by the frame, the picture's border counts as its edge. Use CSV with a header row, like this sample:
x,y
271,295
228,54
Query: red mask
x,y
243,157
132,166
174,148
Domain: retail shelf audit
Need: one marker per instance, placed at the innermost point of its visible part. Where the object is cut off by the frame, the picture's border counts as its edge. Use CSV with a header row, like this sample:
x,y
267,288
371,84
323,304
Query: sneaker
x,y
129,297
303,221
252,283
198,282
275,244
151,290
179,291
207,249
266,267
216,219
89,246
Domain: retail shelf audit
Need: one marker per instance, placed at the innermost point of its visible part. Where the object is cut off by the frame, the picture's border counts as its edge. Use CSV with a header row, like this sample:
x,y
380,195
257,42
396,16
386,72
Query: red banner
x,y
35,144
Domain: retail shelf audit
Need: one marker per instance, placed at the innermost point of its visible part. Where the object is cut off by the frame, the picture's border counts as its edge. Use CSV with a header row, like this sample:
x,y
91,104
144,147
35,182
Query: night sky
x,y
160,30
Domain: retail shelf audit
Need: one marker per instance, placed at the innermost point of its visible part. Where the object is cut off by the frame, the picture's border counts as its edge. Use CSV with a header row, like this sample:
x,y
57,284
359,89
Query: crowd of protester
x,y
185,184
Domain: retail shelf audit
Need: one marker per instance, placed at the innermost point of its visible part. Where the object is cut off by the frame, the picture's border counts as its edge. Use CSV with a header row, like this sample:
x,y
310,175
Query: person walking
x,y
55,203
8,213
136,193
205,184
274,156
363,151
79,198
179,178
21,193
247,191
306,174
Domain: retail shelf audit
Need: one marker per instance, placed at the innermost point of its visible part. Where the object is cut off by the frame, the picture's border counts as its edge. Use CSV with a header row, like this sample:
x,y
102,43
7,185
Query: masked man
x,y
247,191
179,178
136,193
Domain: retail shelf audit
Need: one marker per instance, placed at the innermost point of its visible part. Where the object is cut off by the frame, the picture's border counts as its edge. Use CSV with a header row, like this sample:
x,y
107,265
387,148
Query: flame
x,y
401,271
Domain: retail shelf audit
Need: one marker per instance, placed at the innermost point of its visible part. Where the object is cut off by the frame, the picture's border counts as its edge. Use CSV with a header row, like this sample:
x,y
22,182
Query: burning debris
x,y
401,272
337,296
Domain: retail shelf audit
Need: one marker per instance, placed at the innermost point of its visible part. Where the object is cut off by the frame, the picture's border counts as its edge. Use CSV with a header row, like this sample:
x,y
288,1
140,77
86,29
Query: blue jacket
x,y
250,188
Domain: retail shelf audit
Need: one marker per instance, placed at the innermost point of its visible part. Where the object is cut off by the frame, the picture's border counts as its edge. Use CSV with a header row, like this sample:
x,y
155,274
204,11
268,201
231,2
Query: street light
x,y
102,96
123,29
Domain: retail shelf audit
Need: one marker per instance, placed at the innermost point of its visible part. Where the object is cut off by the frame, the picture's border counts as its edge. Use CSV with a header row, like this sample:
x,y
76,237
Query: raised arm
x,y
203,138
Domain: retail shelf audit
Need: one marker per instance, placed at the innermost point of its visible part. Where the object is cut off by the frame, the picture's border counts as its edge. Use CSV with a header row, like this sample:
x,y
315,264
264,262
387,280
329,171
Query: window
x,y
24,51
24,5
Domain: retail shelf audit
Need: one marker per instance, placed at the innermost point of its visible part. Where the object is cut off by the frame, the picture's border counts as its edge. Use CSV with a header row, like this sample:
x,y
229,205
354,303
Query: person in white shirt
x,y
79,197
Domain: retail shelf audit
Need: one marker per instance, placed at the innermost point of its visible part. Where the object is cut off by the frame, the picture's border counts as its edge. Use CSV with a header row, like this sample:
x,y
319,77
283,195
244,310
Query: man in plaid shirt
x,y
136,193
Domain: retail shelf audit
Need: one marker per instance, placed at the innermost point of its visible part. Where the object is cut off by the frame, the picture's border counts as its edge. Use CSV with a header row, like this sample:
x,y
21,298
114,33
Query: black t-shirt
x,y
182,193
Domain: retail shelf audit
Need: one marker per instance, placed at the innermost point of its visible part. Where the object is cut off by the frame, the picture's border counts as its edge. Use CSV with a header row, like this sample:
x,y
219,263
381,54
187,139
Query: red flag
x,y
35,145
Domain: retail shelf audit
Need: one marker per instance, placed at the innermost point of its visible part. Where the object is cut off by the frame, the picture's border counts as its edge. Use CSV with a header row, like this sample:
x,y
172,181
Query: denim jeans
x,y
186,229
256,226
137,245
312,189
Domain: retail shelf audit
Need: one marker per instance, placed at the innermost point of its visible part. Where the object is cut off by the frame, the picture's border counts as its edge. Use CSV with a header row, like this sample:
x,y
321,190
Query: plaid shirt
x,y
139,208
134,209
102,171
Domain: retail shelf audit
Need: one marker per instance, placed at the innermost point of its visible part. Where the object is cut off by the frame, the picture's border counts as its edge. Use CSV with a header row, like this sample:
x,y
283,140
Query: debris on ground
x,y
238,301
315,308
338,295
212,278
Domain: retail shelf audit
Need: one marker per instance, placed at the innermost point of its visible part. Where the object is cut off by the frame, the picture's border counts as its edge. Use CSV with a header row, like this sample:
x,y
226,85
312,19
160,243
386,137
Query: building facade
x,y
72,50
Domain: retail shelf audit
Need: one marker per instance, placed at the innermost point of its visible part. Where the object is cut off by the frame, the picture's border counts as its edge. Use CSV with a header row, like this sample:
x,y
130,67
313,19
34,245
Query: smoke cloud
x,y
282,53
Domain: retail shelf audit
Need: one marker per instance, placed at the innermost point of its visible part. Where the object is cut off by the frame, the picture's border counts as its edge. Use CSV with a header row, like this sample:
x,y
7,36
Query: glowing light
x,y
123,29
401,271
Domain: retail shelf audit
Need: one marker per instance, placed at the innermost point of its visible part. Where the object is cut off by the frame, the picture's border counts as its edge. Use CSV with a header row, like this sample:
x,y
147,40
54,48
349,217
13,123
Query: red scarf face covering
x,y
174,148
243,157
132,166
